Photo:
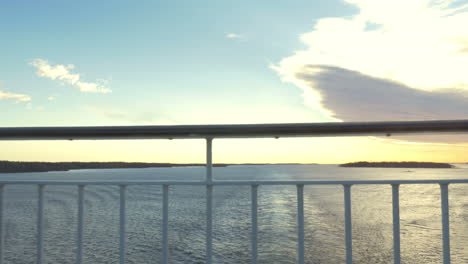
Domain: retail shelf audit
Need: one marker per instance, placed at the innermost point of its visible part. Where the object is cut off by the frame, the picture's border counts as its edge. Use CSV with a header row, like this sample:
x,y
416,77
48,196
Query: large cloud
x,y
353,96
63,73
413,42
393,60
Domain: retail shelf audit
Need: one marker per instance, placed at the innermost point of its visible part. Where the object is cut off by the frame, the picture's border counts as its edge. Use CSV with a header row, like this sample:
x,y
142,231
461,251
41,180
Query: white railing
x,y
224,131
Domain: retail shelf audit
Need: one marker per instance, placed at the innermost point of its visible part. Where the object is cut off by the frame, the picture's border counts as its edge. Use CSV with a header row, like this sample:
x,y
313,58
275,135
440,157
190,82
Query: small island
x,y
402,164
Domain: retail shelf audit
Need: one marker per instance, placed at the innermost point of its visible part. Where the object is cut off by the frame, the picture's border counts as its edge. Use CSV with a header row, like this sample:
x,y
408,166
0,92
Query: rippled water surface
x,y
323,206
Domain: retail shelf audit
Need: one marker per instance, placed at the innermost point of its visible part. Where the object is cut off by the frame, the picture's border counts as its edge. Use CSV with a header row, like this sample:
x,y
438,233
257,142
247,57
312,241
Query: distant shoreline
x,y
27,166
403,164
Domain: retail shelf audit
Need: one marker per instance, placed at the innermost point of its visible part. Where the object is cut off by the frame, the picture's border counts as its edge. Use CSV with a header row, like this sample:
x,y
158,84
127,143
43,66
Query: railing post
x,y
445,222
300,224
122,250
79,239
348,224
396,223
165,225
254,196
209,200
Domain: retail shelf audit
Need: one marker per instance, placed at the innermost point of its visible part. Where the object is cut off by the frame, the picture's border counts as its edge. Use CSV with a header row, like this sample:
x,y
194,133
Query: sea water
x,y
277,229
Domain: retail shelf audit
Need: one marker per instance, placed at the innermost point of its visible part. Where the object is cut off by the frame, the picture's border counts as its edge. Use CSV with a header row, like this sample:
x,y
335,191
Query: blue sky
x,y
166,62
75,63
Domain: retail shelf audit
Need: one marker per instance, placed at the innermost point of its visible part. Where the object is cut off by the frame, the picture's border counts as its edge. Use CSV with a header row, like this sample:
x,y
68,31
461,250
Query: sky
x,y
178,62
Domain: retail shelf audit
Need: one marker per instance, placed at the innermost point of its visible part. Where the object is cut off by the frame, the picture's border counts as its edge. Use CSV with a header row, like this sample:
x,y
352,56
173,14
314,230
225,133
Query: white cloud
x,y
394,60
63,73
235,36
13,96
420,46
51,98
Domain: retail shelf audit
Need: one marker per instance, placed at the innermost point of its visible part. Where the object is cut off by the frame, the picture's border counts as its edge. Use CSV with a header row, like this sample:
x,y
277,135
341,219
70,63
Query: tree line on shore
x,y
401,164
27,166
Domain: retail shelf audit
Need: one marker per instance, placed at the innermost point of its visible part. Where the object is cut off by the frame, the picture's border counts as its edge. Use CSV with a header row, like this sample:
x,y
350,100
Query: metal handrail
x,y
235,131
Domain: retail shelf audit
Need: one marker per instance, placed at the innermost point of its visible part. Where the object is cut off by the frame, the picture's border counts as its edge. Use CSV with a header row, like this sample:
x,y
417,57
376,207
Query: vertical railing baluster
x,y
209,200
209,223
348,224
165,225
254,208
1,223
445,222
40,224
300,224
396,223
79,239
123,189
